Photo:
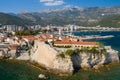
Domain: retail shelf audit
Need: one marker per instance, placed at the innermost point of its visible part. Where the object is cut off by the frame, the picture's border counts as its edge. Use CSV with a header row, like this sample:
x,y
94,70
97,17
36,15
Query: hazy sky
x,y
37,5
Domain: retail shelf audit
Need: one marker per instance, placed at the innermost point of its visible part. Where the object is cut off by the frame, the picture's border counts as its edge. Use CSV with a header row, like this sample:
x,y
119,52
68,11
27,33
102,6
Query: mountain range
x,y
93,16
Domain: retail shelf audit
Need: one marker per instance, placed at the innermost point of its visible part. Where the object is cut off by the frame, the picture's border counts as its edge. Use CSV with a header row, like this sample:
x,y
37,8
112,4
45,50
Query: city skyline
x,y
17,6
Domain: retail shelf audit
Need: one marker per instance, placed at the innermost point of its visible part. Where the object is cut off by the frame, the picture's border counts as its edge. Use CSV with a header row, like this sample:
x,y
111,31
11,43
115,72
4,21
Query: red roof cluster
x,y
30,38
45,37
13,47
75,42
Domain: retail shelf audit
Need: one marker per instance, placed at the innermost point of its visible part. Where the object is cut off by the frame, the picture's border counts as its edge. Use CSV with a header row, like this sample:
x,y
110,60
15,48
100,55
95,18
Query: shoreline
x,y
45,71
97,37
105,66
49,70
95,31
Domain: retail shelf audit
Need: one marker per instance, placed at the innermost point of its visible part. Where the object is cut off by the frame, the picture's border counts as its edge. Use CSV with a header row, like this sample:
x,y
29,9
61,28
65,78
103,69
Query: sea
x,y
114,42
22,70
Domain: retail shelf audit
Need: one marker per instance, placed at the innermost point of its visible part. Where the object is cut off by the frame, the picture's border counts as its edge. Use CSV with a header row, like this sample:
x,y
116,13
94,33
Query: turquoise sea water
x,y
21,70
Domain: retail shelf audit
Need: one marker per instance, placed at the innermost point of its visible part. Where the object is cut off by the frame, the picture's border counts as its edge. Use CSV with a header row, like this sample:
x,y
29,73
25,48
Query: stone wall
x,y
47,57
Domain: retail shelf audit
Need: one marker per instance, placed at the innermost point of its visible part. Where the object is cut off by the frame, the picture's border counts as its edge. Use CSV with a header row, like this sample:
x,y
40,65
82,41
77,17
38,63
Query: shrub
x,y
69,52
62,46
77,51
62,55
32,43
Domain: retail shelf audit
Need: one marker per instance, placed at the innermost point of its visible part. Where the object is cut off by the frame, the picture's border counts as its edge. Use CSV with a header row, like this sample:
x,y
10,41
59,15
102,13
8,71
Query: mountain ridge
x,y
91,16
79,16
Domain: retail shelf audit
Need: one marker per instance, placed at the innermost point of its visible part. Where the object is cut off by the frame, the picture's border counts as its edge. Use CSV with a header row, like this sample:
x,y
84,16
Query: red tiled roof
x,y
2,38
22,40
13,47
75,42
45,36
30,37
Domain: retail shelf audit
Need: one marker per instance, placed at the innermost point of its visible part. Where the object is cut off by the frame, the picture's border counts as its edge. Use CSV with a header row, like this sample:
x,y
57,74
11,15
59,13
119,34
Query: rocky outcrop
x,y
43,54
94,60
24,56
1,54
63,65
87,60
47,57
112,56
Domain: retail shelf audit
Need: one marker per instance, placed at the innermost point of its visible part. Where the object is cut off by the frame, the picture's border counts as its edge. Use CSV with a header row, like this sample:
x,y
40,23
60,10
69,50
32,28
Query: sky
x,y
16,6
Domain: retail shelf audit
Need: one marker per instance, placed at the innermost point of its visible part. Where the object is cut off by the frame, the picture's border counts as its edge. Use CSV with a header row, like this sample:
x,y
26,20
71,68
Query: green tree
x,y
69,52
77,51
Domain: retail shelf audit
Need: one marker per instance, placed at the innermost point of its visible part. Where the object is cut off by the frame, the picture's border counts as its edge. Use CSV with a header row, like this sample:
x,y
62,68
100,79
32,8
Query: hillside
x,y
110,21
79,16
11,20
